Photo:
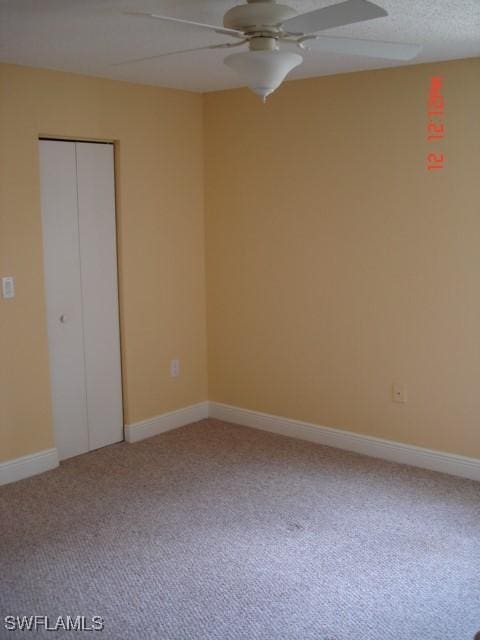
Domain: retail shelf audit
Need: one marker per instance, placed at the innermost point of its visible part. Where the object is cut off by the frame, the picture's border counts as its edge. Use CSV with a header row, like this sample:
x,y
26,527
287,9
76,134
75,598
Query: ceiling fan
x,y
264,24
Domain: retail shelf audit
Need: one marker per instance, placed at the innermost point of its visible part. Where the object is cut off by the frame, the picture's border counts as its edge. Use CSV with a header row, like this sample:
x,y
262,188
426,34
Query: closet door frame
x,y
80,446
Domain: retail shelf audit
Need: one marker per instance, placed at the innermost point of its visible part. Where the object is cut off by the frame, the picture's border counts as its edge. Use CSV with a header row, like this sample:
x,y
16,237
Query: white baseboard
x,y
450,463
26,466
166,422
376,447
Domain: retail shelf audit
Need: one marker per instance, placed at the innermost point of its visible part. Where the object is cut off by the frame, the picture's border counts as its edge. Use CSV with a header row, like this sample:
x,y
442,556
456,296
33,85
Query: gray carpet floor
x,y
219,532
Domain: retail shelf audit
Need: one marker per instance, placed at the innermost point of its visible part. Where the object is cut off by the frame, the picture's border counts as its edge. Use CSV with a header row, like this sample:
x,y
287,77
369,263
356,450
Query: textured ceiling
x,y
89,36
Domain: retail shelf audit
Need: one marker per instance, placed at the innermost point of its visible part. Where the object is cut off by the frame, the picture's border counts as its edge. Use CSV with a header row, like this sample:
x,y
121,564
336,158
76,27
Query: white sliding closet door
x,y
64,298
78,216
98,258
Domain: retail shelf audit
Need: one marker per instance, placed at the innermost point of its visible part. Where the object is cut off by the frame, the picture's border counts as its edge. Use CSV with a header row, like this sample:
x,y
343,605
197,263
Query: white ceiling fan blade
x,y
356,47
226,45
335,15
200,25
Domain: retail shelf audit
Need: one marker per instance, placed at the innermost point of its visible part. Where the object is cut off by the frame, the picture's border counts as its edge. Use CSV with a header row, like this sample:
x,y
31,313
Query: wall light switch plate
x,y
399,393
8,287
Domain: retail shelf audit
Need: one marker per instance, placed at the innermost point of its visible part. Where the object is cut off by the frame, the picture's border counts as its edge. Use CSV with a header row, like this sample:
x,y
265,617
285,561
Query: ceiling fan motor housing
x,y
258,16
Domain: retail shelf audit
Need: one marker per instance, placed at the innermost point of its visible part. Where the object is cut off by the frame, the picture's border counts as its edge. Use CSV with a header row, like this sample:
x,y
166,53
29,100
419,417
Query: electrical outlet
x,y
174,368
399,393
8,287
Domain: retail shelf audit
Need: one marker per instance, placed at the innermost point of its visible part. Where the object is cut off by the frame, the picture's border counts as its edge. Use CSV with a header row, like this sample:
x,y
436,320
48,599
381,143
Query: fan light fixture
x,y
263,71
263,25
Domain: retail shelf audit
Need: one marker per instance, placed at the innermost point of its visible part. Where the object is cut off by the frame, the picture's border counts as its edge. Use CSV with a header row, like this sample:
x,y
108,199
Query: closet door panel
x,y
98,257
58,188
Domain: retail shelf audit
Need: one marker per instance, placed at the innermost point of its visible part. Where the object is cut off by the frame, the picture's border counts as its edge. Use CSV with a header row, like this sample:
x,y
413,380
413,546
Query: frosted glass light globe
x,y
263,71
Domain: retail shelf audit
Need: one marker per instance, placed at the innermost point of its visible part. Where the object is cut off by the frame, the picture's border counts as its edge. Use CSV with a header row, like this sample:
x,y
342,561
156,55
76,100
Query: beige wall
x,y
161,242
337,265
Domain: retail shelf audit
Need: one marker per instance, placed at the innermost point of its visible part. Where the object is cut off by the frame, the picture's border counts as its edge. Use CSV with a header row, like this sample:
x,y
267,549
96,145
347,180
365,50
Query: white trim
x,y
367,445
165,422
13,470
26,466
